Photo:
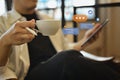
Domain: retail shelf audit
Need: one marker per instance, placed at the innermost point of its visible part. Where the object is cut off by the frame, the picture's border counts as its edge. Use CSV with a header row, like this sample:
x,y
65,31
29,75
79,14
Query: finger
x,y
88,33
33,20
94,38
96,27
27,38
24,24
21,30
24,37
91,31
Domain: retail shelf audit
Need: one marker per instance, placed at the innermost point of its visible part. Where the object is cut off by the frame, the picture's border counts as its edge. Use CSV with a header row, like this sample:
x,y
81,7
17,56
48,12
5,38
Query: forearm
x,y
4,51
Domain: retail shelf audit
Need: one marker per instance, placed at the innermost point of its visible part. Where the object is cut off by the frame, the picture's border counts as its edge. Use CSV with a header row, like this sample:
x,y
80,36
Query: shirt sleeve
x,y
6,73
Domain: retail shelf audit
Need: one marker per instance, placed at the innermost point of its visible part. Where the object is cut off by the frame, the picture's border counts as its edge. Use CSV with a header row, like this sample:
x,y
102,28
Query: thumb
x,y
32,20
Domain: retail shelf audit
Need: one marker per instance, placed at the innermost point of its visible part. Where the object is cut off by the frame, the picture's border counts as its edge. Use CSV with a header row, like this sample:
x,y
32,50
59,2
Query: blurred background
x,y
108,43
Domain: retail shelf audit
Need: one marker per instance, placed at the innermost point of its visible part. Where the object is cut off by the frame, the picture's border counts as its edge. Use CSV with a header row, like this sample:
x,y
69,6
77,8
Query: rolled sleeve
x,y
6,73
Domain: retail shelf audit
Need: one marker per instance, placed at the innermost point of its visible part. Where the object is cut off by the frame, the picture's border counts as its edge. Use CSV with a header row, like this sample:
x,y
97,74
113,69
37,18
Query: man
x,y
21,51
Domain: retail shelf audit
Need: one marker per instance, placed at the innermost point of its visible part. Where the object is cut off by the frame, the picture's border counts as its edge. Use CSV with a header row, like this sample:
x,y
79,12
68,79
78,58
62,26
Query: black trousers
x,y
71,65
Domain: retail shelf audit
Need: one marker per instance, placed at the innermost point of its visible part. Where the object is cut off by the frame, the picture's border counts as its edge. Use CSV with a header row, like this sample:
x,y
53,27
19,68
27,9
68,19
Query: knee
x,y
69,53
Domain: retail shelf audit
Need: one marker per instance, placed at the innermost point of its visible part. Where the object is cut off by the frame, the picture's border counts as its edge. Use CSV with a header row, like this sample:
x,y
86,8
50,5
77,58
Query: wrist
x,y
4,52
4,41
78,46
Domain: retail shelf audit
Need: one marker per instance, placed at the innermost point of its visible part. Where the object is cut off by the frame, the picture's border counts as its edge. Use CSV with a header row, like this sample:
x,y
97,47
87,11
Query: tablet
x,y
100,27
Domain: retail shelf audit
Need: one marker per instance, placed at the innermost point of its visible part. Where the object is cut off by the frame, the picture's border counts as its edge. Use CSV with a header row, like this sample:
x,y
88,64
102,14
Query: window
x,y
53,8
85,7
83,2
50,7
2,6
68,13
89,12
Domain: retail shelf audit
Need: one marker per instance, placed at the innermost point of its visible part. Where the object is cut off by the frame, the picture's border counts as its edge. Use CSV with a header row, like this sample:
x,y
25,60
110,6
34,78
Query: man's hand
x,y
87,34
17,34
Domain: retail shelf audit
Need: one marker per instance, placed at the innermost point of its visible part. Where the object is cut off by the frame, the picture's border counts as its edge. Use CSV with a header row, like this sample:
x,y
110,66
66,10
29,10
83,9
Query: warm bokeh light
x,y
80,18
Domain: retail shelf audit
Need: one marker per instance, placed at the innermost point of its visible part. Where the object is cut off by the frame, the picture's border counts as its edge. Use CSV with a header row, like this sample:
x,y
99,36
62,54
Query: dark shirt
x,y
40,48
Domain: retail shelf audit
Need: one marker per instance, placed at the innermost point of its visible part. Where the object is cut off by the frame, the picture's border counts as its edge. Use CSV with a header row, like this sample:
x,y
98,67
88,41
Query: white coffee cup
x,y
48,27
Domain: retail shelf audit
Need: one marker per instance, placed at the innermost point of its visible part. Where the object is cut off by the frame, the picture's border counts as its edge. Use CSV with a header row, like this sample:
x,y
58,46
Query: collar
x,y
15,16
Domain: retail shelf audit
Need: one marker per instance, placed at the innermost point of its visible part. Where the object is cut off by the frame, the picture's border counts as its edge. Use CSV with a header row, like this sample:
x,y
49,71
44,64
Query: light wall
x,y
112,33
108,1
108,43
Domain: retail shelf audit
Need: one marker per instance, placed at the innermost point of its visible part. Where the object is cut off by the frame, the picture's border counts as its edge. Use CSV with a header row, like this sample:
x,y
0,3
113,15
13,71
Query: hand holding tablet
x,y
94,33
